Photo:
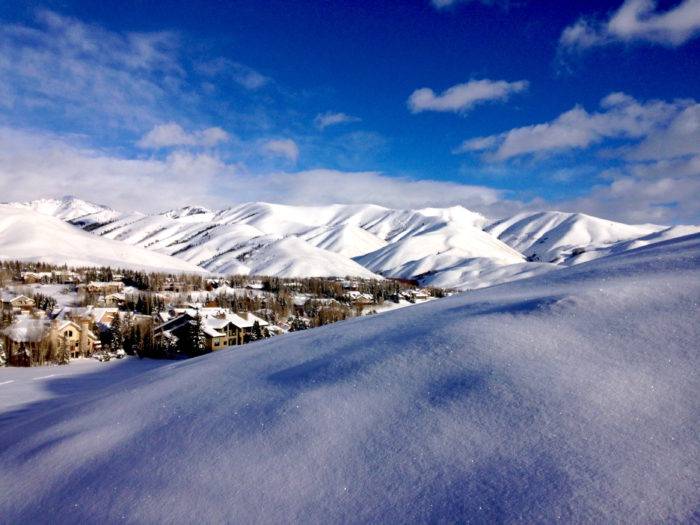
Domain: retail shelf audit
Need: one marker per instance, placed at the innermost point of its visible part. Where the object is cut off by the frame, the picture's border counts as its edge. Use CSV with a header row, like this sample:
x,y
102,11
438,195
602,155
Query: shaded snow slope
x,y
552,236
570,396
31,236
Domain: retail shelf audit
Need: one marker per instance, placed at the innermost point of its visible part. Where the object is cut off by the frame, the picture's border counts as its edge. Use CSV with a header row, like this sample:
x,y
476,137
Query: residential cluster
x,y
55,314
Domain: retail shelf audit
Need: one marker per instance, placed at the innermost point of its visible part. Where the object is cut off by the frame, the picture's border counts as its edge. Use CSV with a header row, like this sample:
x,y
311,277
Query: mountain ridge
x,y
449,247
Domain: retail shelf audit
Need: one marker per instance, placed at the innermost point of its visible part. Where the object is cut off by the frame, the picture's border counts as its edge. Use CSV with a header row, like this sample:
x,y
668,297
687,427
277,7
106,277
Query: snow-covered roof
x,y
26,329
8,297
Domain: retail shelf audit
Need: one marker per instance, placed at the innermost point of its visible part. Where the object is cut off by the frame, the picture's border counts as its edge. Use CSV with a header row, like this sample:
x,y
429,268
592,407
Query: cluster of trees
x,y
43,302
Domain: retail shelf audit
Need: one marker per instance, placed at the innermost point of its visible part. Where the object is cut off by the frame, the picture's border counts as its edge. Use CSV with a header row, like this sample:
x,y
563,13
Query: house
x,y
13,303
26,341
65,277
177,287
74,338
221,327
32,340
36,277
359,298
114,299
104,287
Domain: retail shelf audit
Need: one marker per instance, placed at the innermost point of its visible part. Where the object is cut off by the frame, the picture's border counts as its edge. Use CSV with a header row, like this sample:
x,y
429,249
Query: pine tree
x,y
117,339
256,333
199,342
64,351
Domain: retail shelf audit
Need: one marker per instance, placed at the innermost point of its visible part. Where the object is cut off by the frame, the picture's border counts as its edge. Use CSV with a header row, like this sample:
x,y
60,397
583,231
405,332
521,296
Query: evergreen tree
x,y
64,351
256,333
199,342
297,324
117,339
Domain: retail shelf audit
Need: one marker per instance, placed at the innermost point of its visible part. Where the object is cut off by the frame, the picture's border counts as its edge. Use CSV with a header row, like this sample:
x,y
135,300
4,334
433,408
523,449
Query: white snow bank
x,y
570,396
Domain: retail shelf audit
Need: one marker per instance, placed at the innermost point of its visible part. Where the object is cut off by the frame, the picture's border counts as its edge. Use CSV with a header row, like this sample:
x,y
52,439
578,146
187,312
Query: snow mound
x,y
31,236
569,396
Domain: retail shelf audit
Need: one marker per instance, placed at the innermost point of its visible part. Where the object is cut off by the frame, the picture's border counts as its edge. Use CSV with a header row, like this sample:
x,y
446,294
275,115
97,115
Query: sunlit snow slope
x,y
31,236
567,397
447,247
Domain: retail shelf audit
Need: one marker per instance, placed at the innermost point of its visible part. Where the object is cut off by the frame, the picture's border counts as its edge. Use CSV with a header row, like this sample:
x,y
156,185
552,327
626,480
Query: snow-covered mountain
x,y
557,237
449,247
28,235
69,209
568,397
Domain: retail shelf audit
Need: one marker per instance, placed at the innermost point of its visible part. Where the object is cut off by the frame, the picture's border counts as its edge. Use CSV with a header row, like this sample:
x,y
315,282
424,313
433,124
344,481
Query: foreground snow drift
x,y
571,396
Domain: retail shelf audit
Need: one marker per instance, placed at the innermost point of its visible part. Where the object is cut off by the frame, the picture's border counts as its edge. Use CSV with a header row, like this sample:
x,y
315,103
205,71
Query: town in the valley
x,y
51,314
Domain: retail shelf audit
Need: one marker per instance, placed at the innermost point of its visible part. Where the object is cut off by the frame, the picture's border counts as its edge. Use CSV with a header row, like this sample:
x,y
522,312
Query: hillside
x,y
446,247
569,396
31,236
554,236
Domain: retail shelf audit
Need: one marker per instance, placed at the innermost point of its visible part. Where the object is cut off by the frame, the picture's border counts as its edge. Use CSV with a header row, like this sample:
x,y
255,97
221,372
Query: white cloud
x,y
35,165
463,97
79,71
443,4
282,148
330,118
621,117
661,199
172,134
243,75
100,82
637,20
681,137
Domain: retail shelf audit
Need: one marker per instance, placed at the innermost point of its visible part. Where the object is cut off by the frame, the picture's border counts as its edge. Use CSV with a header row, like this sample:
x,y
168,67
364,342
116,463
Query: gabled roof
x,y
8,297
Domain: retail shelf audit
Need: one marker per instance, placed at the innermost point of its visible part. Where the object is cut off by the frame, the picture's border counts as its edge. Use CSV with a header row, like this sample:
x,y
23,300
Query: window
x,y
70,333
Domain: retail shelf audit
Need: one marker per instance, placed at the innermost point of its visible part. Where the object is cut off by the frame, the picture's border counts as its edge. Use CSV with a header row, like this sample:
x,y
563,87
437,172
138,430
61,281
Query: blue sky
x,y
499,106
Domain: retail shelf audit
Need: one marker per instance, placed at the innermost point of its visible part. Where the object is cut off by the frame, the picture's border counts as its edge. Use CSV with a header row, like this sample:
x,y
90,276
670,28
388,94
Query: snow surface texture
x,y
450,247
31,236
29,392
570,396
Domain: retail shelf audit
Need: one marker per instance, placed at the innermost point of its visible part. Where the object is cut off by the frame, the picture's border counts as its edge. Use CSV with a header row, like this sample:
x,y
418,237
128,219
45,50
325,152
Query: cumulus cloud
x,y
620,117
662,199
637,20
330,118
172,134
286,148
463,97
680,138
34,164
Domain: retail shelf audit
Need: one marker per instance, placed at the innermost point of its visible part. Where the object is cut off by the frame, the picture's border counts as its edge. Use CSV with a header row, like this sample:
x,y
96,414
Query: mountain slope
x,y
571,395
32,236
554,236
448,247
380,239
